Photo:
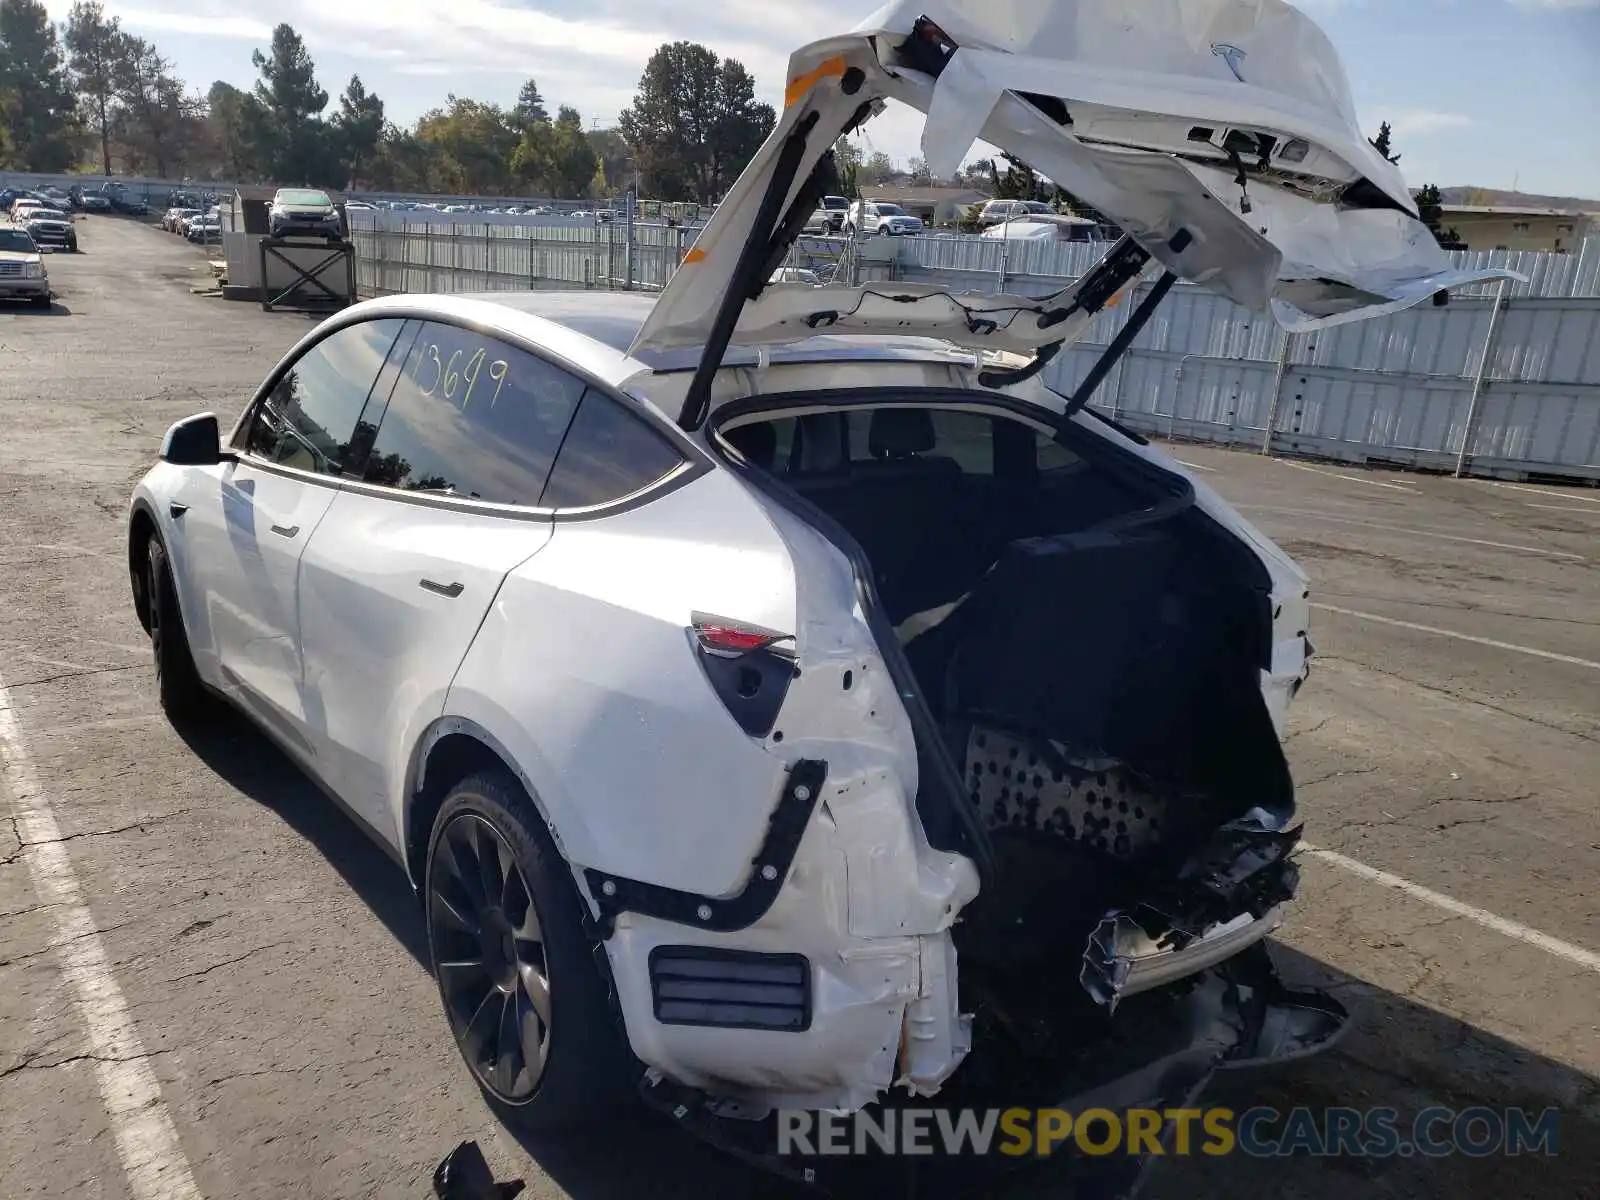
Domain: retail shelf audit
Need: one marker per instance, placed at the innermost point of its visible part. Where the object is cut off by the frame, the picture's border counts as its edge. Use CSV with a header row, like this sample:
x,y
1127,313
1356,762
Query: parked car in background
x,y
124,201
881,218
172,220
23,275
203,229
796,275
1049,227
304,212
94,202
838,209
50,227
819,223
996,211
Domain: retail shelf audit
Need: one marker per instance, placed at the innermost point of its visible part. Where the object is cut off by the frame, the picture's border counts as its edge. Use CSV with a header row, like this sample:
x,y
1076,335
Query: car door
x,y
401,571
246,521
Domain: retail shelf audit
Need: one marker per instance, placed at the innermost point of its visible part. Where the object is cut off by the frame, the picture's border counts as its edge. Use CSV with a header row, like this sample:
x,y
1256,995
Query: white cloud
x,y
1419,122
196,24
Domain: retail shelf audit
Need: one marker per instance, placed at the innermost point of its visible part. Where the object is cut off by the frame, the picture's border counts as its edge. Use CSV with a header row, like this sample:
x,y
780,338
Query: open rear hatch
x,y
1220,135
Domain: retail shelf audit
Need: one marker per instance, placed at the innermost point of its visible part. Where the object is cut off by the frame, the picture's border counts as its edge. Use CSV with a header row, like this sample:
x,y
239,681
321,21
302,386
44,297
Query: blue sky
x,y
1486,92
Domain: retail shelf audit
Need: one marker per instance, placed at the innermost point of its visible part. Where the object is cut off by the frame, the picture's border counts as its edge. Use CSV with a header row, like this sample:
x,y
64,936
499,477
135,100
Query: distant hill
x,y
1498,197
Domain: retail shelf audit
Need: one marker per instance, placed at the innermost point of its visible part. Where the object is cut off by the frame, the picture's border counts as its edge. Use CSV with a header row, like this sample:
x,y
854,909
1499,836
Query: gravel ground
x,y
271,958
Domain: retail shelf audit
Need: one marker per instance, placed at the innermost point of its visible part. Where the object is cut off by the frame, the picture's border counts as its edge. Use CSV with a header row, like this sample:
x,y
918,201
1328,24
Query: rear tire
x,y
513,957
177,682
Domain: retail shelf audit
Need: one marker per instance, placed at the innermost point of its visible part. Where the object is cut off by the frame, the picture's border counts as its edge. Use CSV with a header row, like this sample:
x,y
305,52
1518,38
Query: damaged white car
x,y
781,696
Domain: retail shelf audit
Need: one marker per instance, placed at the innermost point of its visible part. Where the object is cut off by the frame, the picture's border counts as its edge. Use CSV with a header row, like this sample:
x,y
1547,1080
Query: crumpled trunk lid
x,y
1219,134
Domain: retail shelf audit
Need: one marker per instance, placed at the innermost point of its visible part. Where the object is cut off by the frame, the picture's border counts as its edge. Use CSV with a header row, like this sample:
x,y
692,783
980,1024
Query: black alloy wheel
x,y
177,681
506,924
489,951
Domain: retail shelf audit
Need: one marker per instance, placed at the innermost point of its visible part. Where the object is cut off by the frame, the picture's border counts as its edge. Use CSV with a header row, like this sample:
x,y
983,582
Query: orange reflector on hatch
x,y
801,84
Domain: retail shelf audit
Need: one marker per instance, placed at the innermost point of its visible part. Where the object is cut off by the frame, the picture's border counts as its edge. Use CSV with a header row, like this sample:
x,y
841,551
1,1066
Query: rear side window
x,y
308,420
609,453
474,418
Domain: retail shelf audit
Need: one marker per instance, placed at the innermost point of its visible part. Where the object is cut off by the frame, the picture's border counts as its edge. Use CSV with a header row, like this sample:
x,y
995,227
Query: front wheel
x,y
177,682
511,954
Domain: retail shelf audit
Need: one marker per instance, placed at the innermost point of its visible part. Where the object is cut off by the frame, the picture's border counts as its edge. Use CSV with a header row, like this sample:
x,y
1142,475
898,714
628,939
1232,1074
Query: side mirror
x,y
193,442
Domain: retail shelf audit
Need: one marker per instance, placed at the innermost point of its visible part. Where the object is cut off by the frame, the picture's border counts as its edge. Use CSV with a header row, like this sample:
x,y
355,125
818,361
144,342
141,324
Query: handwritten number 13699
x,y
448,376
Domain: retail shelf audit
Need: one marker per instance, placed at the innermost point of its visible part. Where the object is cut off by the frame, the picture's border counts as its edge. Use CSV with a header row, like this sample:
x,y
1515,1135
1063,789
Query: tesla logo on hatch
x,y
1231,55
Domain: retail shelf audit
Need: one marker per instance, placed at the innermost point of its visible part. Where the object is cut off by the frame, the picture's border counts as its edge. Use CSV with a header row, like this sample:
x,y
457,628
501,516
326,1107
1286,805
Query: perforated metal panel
x,y
1016,783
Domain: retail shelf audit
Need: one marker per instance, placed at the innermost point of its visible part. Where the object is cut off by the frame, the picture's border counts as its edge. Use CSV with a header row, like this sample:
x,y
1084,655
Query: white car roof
x,y
592,331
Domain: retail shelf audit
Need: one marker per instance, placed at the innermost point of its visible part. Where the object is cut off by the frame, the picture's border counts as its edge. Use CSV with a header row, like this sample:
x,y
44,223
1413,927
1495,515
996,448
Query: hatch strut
x,y
753,258
1119,344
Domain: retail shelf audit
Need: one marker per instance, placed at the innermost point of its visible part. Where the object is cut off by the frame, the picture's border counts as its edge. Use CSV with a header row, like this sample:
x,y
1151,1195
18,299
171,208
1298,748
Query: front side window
x,y
609,453
308,420
474,418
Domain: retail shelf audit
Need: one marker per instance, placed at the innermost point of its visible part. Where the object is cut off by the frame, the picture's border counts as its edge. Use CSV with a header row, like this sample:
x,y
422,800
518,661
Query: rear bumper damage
x,y
1172,1043
831,1002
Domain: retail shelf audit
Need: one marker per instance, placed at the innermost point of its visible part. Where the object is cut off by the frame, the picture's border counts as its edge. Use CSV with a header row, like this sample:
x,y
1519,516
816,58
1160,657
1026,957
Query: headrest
x,y
898,432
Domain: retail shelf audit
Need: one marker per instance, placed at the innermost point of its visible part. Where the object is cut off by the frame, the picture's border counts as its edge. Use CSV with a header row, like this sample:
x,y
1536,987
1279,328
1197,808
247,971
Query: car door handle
x,y
451,590
288,531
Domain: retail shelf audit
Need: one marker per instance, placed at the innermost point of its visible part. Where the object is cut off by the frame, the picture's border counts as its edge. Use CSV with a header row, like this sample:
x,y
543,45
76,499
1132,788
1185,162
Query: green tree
x,y
37,104
1430,211
616,158
1018,183
1382,145
694,123
157,120
404,163
474,144
96,50
529,108
289,140
225,117
357,128
556,156
878,168
918,170
847,157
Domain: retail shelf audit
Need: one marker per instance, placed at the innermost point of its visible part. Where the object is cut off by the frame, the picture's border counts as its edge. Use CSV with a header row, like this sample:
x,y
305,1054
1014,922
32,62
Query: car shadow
x,y
1399,1054
23,308
250,762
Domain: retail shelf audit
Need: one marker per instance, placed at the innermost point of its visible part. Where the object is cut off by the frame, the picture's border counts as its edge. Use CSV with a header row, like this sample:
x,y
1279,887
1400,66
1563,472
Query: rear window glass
x,y
473,418
854,440
609,453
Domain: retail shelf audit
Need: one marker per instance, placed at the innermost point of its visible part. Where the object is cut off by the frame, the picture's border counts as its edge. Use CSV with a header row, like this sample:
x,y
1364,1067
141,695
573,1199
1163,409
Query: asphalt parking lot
x,y
271,962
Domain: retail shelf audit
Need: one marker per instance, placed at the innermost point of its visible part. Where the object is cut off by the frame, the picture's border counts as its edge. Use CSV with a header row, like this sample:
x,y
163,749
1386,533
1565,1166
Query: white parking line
x,y
147,1141
1548,495
1566,508
1194,466
1397,487
1478,916
1427,533
1464,637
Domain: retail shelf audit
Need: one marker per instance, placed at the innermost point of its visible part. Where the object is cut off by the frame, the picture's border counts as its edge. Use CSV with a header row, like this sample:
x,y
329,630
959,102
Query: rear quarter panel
x,y
585,672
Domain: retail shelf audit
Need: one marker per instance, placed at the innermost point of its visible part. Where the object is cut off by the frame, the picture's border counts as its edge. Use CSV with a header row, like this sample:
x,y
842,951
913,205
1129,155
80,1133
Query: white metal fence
x,y
1504,380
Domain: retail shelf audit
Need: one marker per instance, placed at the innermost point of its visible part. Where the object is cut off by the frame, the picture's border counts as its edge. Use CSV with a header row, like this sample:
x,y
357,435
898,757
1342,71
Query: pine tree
x,y
1381,143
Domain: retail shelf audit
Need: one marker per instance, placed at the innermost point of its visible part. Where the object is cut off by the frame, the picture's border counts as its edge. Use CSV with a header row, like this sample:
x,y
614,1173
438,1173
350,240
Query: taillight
x,y
749,667
720,636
